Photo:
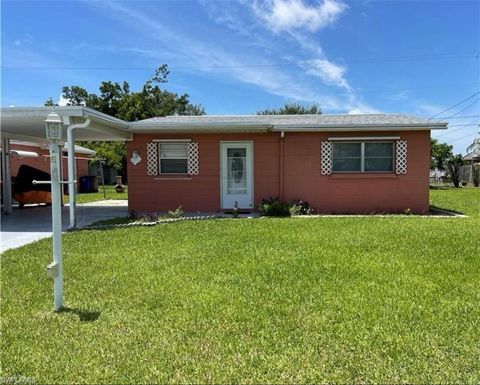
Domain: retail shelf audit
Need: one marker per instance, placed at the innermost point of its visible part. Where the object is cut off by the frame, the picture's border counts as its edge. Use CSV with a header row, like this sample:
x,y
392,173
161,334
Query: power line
x,y
466,108
359,89
463,137
463,125
473,54
408,89
456,129
449,108
460,117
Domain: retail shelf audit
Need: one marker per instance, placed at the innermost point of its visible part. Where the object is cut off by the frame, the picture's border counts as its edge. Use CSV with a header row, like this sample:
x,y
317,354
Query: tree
x,y
439,154
455,164
50,103
292,109
117,100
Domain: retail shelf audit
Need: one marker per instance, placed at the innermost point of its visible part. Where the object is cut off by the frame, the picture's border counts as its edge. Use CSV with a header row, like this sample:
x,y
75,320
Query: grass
x,y
98,196
298,300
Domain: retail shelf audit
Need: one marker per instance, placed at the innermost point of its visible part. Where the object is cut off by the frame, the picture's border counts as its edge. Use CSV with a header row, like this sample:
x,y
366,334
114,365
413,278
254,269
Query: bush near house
x,y
274,207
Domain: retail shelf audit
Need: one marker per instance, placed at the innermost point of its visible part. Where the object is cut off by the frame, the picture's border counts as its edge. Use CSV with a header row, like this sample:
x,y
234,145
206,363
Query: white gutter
x,y
23,154
356,127
72,172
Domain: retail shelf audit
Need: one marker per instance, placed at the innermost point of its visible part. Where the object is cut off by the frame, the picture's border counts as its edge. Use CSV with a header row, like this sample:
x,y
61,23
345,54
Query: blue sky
x,y
237,57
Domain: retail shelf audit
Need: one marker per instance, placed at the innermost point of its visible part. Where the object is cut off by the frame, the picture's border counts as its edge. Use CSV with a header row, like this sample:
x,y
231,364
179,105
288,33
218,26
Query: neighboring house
x,y
338,163
37,155
472,158
473,152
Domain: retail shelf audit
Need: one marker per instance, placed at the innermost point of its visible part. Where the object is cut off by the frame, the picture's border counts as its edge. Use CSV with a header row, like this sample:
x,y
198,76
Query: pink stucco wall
x,y
301,177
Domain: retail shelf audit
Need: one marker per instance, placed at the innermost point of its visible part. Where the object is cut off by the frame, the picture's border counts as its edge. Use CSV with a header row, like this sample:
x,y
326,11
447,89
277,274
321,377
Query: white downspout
x,y
72,172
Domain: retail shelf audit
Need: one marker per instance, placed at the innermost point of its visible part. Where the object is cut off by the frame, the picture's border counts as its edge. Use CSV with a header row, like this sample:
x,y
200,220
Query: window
x,y
363,157
173,158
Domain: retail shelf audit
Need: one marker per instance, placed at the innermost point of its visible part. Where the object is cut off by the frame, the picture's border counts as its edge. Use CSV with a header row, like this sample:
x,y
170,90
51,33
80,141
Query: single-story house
x,y
338,163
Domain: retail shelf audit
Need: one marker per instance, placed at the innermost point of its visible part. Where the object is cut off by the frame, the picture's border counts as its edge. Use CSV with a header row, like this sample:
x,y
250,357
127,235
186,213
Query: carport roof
x,y
28,123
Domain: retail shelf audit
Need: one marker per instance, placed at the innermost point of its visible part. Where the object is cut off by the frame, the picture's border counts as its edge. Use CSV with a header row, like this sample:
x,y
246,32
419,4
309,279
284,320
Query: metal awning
x,y
28,123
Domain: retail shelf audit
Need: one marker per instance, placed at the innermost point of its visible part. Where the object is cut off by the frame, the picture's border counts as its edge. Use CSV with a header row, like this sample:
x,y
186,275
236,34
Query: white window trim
x,y
364,138
362,157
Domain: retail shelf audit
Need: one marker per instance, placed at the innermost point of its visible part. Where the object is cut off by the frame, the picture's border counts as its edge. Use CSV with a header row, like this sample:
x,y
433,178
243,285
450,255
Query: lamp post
x,y
54,134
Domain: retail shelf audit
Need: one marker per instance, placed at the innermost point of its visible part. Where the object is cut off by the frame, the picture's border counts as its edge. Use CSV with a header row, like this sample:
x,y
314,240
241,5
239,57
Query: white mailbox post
x,y
54,133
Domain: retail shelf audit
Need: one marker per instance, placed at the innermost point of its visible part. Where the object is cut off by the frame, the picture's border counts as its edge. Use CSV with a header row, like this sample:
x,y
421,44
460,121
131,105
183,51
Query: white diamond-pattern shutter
x,y
326,158
401,157
152,159
193,165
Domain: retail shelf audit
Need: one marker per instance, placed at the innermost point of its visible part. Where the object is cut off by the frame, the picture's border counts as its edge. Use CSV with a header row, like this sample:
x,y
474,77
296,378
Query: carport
x,y
80,124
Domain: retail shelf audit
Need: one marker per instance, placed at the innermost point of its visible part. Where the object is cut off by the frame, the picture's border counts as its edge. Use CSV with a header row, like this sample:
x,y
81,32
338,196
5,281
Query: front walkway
x,y
34,222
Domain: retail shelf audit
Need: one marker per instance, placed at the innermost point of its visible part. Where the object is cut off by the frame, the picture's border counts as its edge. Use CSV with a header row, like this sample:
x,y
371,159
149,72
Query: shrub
x,y
454,166
299,207
476,175
177,213
273,207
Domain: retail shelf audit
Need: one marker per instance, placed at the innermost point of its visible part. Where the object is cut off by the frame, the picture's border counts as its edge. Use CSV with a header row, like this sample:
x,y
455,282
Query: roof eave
x,y
356,127
144,128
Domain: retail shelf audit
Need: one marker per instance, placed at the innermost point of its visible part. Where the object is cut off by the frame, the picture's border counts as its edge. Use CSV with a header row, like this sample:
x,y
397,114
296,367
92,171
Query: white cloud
x,y
27,39
329,72
363,109
288,15
213,59
400,96
427,109
200,55
62,101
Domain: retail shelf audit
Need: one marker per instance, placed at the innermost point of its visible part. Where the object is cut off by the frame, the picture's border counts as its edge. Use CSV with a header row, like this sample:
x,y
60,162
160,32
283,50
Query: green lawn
x,y
98,196
303,300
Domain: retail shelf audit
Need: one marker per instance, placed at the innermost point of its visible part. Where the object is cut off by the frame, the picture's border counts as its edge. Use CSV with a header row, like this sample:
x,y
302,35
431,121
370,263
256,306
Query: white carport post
x,y
72,172
53,125
6,177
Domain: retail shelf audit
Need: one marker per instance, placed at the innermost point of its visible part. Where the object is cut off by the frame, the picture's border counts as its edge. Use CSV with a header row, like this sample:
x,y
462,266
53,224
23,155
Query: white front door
x,y
236,175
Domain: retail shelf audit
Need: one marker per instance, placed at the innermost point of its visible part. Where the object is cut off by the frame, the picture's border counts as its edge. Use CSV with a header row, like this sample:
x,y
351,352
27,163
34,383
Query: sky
x,y
239,57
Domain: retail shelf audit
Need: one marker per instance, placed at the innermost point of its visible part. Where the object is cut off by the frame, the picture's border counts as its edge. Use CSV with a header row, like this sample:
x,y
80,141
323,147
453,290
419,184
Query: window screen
x,y
173,158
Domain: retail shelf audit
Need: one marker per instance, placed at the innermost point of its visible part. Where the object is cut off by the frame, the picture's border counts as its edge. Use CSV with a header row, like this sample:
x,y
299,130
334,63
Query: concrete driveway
x,y
34,222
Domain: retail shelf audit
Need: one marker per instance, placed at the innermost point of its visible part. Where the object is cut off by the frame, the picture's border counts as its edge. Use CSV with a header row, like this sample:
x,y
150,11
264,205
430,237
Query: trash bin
x,y
88,184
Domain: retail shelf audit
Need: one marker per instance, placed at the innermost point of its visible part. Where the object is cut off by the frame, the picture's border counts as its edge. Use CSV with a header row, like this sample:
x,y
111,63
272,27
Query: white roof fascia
x,y
104,118
23,138
198,128
356,127
70,111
